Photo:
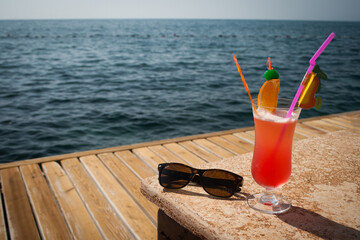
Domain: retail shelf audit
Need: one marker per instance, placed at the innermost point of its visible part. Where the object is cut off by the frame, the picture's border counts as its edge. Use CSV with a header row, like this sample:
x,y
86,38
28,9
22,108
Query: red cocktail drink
x,y
271,163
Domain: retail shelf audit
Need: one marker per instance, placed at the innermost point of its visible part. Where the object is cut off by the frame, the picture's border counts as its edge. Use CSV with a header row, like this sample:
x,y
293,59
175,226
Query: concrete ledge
x,y
324,189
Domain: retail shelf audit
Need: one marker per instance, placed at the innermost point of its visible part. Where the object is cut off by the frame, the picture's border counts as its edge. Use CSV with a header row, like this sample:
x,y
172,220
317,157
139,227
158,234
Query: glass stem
x,y
269,198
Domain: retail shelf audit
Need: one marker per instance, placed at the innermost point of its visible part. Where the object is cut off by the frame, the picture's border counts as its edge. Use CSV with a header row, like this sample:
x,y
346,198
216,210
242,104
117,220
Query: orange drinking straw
x,y
243,79
268,63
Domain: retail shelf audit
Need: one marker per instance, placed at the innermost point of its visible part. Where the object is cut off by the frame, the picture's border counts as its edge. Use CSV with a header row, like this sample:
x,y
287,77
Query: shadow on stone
x,y
317,224
239,196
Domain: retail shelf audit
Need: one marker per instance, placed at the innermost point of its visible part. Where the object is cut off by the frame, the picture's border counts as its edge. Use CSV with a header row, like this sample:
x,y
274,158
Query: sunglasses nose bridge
x,y
197,172
194,174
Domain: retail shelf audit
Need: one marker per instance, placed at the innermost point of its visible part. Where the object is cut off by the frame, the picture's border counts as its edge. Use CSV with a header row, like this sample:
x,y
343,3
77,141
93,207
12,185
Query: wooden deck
x,y
96,194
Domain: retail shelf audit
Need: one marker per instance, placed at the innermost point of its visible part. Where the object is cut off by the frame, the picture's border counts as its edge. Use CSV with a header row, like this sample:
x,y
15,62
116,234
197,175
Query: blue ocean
x,y
76,85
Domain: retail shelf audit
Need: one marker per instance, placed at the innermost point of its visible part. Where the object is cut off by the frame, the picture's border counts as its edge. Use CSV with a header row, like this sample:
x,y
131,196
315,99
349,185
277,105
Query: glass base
x,y
272,203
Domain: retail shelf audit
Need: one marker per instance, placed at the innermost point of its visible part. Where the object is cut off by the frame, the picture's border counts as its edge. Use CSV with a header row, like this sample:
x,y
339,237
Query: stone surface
x,y
324,189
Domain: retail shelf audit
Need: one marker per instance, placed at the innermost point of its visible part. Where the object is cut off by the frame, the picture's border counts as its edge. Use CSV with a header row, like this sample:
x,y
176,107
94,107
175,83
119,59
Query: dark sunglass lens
x,y
219,183
175,176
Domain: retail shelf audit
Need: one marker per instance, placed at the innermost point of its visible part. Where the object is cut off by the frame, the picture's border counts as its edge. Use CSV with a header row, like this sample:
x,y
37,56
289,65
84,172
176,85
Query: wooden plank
x,y
102,212
20,217
298,135
227,145
246,136
239,141
252,132
129,180
149,157
353,113
215,149
139,223
166,154
354,125
137,166
49,218
351,117
199,151
75,212
184,154
3,234
308,130
322,125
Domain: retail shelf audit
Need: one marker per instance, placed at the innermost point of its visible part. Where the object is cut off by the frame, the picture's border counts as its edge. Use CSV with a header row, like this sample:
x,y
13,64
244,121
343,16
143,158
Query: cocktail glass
x,y
271,163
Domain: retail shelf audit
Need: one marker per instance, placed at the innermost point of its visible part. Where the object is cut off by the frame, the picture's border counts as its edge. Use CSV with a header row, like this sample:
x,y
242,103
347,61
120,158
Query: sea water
x,y
76,85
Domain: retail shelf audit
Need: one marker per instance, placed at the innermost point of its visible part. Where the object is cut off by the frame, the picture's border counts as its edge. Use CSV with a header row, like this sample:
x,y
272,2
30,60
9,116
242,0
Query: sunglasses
x,y
216,182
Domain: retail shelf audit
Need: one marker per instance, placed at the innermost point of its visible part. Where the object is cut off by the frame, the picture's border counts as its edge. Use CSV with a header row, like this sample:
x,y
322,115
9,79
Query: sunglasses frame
x,y
196,176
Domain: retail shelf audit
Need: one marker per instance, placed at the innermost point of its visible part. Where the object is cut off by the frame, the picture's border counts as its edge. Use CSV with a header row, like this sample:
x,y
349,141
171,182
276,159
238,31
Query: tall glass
x,y
271,163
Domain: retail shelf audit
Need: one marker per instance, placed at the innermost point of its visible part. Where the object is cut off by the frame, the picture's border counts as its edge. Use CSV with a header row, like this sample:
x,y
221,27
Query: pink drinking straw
x,y
309,70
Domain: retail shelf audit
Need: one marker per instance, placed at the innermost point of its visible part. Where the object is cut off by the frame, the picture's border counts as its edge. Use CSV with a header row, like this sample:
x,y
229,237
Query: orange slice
x,y
269,93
